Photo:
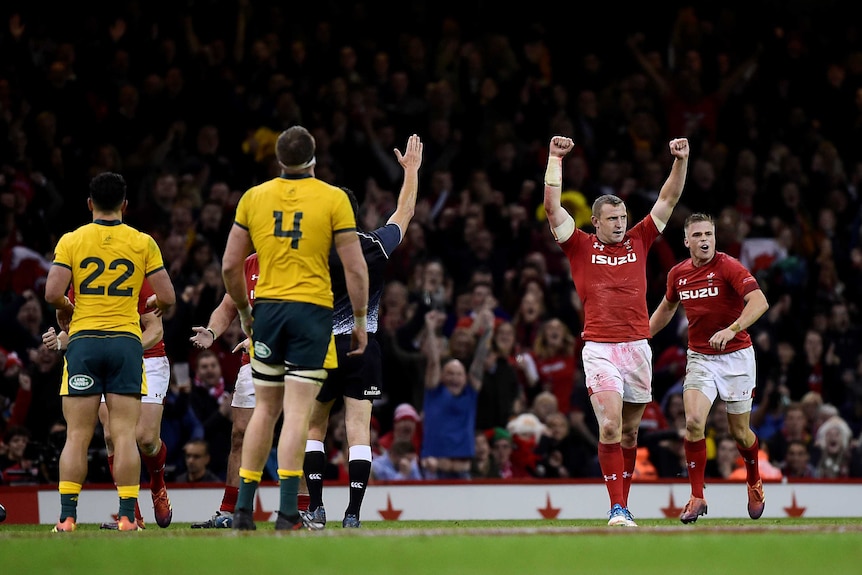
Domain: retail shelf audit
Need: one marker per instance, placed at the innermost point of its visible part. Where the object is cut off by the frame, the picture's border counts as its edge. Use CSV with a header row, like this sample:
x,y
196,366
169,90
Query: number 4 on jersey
x,y
295,234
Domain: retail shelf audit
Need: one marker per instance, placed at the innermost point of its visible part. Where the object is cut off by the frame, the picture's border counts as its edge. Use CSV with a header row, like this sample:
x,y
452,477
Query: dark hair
x,y
203,354
295,147
108,191
16,431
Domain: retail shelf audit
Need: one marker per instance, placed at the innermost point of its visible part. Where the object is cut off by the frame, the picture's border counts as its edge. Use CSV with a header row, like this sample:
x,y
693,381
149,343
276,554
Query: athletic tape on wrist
x,y
361,321
554,172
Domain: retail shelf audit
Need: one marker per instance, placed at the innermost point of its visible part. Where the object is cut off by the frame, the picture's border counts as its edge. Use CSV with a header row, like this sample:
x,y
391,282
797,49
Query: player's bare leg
x,y
109,449
124,412
255,450
81,414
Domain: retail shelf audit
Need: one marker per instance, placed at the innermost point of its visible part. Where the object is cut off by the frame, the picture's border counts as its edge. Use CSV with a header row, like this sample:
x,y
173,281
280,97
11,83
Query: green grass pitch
x,y
660,547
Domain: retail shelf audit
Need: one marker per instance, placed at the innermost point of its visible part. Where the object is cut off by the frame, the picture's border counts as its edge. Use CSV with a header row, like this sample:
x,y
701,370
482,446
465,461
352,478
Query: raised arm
x,y
662,316
485,322
672,189
356,276
410,162
432,351
634,42
561,222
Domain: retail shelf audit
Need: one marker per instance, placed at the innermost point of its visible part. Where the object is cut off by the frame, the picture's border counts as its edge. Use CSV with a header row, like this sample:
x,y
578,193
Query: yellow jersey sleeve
x,y
62,252
343,219
154,257
241,217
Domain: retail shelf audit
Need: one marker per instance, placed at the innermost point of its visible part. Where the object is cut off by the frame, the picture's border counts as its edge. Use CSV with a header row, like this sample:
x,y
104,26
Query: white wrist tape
x,y
361,322
554,172
245,312
565,230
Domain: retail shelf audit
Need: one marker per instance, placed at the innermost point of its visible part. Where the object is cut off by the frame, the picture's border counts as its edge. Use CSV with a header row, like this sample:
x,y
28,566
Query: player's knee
x,y
694,427
610,429
148,442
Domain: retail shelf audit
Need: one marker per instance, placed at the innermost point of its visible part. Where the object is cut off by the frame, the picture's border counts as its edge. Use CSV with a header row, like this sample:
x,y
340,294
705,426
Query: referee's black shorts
x,y
357,376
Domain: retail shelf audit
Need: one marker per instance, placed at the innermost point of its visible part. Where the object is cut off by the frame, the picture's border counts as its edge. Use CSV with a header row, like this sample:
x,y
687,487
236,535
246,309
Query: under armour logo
x,y
627,475
254,277
598,246
357,485
683,281
691,464
611,477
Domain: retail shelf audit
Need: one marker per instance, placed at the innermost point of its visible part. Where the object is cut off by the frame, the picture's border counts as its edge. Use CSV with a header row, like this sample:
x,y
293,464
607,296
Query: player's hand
x,y
560,146
720,338
246,319
49,339
64,317
153,304
242,346
412,156
203,338
358,341
246,325
679,148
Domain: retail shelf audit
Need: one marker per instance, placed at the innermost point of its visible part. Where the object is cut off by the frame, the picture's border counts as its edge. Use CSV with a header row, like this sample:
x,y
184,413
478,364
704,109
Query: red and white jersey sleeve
x,y
712,297
611,282
252,274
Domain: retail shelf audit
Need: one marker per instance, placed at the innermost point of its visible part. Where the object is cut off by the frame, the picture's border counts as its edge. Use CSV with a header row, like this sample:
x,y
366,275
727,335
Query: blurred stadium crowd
x,y
185,99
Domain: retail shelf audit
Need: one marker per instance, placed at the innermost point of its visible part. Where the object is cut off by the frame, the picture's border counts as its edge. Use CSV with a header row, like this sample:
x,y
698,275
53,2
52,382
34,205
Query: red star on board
x,y
390,513
671,511
260,514
794,510
547,511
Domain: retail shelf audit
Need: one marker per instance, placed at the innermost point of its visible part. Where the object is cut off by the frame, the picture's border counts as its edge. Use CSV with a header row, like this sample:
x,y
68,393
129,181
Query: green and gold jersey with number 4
x,y
292,222
109,261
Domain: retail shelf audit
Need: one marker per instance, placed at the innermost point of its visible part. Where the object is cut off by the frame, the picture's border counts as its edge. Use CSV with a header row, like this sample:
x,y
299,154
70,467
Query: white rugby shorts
x,y
730,376
622,367
243,393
